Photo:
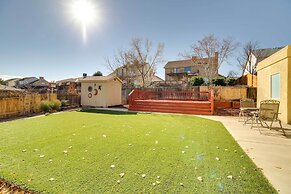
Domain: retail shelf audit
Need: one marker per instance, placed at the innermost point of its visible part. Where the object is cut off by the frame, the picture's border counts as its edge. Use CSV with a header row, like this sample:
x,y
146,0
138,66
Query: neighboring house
x,y
183,70
32,84
25,83
274,81
12,82
101,91
258,56
40,85
7,91
157,79
69,86
131,76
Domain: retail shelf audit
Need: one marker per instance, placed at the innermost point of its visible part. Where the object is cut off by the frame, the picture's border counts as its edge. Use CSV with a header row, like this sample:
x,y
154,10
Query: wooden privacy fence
x,y
73,99
227,93
23,104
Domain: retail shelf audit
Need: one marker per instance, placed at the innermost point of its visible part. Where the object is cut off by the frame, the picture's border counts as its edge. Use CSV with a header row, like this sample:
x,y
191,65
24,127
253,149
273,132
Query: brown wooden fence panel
x,y
23,104
74,99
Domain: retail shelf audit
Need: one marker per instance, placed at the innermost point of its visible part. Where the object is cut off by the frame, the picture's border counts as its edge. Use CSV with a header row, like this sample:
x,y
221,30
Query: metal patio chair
x,y
268,112
245,104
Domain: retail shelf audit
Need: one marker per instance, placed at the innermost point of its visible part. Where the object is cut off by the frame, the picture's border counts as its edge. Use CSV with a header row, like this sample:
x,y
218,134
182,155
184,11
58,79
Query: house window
x,y
275,86
187,69
176,70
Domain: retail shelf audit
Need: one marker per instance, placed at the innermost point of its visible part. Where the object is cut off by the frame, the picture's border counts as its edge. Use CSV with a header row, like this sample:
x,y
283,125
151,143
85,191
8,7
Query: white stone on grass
x,y
183,152
65,151
143,175
154,184
157,142
181,184
41,156
122,174
86,150
186,147
104,135
225,149
112,166
118,181
158,182
200,178
154,149
217,158
24,150
158,177
229,177
51,179
70,147
50,160
129,144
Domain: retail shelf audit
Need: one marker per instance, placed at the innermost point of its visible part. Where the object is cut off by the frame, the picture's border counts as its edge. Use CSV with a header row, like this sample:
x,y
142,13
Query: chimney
x,y
84,75
41,78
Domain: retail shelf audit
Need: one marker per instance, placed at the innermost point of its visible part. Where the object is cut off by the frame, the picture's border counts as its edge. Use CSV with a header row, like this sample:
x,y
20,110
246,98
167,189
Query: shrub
x,y
49,106
64,103
231,81
219,81
55,104
196,81
45,106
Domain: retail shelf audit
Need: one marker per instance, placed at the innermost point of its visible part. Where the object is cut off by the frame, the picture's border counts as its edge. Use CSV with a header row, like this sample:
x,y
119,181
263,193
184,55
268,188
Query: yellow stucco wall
x,y
279,62
109,95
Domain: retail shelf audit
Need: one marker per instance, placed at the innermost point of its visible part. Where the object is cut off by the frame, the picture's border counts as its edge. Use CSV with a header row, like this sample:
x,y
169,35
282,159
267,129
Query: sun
x,y
84,12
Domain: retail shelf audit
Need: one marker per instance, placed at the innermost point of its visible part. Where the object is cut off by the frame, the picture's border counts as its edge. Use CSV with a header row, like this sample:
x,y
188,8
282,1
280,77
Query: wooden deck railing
x,y
170,95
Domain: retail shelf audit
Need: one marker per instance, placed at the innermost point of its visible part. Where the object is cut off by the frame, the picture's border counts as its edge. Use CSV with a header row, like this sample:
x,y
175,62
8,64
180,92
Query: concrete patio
x,y
270,151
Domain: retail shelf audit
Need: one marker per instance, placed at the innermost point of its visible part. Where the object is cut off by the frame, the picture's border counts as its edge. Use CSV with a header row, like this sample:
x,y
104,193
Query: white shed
x,y
101,91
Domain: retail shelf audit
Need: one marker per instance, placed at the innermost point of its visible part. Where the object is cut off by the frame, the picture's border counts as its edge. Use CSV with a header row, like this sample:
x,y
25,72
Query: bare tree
x,y
247,61
213,50
141,55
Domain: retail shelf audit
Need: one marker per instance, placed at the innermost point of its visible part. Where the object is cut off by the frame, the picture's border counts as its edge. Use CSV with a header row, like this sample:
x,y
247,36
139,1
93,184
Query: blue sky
x,y
39,38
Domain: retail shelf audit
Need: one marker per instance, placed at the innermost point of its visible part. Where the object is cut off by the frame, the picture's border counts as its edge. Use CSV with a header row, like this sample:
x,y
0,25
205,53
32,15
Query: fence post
x,y
212,101
130,98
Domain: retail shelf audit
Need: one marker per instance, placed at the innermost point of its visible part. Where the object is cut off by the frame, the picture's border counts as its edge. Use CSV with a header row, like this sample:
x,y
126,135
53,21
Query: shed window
x,y
275,86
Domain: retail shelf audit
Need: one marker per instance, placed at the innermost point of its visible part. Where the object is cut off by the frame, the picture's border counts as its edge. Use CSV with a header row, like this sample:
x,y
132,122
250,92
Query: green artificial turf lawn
x,y
177,148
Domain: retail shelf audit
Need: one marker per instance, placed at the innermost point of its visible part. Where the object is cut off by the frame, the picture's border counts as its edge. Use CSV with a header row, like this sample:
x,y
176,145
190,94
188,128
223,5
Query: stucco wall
x,y
277,63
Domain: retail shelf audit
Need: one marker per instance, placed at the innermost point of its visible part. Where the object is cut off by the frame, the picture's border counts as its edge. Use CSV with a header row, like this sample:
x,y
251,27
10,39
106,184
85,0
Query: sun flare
x,y
84,12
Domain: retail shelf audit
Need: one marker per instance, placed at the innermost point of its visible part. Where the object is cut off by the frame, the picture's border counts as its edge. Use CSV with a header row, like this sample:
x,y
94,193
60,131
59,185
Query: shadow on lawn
x,y
111,112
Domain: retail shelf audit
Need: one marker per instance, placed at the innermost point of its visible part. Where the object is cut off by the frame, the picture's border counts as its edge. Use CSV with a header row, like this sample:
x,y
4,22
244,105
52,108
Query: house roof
x,y
100,78
180,63
40,83
8,88
261,54
26,78
157,78
69,80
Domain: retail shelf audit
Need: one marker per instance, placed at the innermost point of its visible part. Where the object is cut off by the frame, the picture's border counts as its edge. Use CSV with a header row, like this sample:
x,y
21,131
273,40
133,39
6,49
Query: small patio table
x,y
249,110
